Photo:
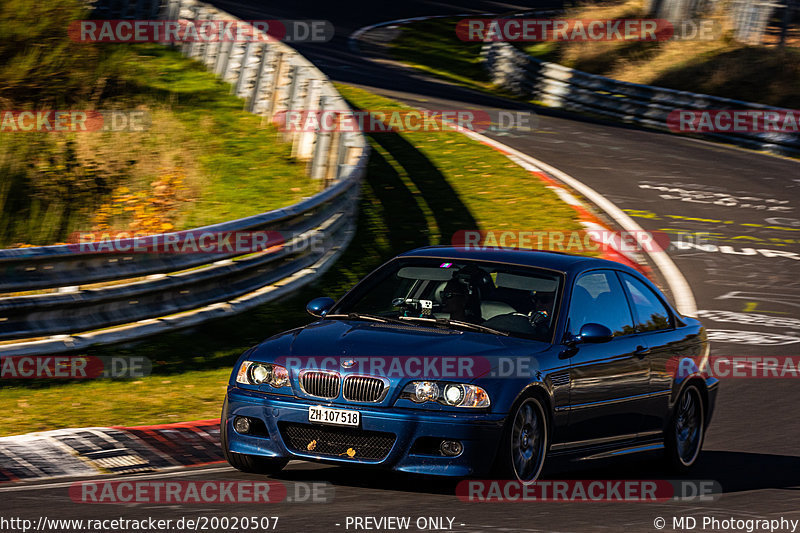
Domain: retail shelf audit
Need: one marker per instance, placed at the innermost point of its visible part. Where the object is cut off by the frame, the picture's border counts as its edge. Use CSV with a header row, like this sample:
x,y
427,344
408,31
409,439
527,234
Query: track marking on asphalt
x,y
679,287
175,471
178,472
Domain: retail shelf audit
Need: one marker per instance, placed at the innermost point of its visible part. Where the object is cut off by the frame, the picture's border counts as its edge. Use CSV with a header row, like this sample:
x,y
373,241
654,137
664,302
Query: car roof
x,y
559,261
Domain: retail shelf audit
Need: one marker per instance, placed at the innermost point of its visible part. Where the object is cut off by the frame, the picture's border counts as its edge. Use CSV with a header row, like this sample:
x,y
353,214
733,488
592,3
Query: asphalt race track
x,y
745,284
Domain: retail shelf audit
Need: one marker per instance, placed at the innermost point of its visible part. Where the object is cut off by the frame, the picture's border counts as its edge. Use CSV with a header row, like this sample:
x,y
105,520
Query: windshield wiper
x,y
458,323
367,316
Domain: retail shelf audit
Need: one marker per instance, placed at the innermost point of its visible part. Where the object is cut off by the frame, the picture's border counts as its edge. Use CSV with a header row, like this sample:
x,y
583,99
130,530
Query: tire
x,y
523,444
686,431
253,464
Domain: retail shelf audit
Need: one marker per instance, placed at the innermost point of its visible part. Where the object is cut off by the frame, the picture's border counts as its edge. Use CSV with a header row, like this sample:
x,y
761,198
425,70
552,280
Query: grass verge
x,y
203,159
420,188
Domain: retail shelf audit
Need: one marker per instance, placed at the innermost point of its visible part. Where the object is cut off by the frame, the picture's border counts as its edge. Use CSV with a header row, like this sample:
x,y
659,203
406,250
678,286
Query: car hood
x,y
349,338
396,354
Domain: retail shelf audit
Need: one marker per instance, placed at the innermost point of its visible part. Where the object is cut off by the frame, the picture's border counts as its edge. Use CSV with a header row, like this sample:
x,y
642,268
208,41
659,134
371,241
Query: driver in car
x,y
461,301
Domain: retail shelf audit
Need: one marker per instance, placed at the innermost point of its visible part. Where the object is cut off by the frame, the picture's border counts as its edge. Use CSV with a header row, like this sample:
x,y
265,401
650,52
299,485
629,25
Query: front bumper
x,y
478,433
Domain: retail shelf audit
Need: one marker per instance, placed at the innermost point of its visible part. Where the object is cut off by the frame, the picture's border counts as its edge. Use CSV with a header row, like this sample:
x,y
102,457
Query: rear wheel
x,y
684,438
524,442
246,463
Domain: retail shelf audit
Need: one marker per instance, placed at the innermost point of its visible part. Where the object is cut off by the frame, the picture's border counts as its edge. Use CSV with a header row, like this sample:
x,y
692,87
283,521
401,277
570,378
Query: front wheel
x,y
524,443
684,438
246,463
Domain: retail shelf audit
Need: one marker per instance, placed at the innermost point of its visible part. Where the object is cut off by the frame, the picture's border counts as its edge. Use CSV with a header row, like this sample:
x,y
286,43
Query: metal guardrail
x,y
562,87
153,293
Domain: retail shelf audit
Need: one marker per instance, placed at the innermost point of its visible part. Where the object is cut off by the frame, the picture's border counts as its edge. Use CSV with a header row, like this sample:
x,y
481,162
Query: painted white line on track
x,y
565,196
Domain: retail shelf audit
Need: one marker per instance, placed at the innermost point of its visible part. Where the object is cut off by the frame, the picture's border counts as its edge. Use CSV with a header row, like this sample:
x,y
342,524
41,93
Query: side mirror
x,y
594,333
319,307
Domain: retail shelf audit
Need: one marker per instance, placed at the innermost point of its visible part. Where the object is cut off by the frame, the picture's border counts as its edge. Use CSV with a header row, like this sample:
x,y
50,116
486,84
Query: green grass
x,y
420,188
245,169
219,161
152,400
433,47
721,67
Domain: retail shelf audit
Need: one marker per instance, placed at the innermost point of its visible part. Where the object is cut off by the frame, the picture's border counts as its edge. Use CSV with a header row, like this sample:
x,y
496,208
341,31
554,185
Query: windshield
x,y
513,300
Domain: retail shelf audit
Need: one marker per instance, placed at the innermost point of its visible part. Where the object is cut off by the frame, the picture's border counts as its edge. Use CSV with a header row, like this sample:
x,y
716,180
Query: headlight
x,y
425,391
259,374
453,394
251,373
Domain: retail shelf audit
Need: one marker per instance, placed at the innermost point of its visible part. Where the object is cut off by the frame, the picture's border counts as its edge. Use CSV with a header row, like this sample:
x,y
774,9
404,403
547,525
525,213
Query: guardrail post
x,y
244,70
199,49
321,143
304,145
341,152
231,71
278,75
188,49
211,47
261,73
221,64
167,10
176,14
293,100
334,151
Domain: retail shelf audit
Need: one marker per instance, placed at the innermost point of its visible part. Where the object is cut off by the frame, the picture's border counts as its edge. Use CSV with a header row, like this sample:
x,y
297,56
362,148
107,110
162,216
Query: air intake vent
x,y
364,389
337,442
320,384
560,378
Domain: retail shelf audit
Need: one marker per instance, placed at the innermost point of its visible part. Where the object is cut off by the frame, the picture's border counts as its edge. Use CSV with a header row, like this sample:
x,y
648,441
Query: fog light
x,y
241,424
450,448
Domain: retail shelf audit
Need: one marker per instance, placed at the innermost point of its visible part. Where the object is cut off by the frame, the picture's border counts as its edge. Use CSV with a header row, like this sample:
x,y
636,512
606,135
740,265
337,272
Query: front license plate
x,y
334,417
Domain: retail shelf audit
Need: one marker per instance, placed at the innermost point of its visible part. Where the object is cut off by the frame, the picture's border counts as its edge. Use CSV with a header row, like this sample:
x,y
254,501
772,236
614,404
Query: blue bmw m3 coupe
x,y
463,363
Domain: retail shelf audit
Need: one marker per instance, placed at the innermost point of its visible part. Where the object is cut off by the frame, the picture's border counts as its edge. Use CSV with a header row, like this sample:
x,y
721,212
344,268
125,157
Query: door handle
x,y
641,351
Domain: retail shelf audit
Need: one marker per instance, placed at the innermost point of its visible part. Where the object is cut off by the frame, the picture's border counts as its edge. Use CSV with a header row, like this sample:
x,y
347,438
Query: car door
x,y
656,329
607,380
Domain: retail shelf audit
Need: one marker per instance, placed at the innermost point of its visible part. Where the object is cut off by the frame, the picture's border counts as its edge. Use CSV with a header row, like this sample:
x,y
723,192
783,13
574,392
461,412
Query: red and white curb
x,y
108,450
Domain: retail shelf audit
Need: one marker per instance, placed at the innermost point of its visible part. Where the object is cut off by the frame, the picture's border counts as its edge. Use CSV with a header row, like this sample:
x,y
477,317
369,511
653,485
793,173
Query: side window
x,y
598,297
651,314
